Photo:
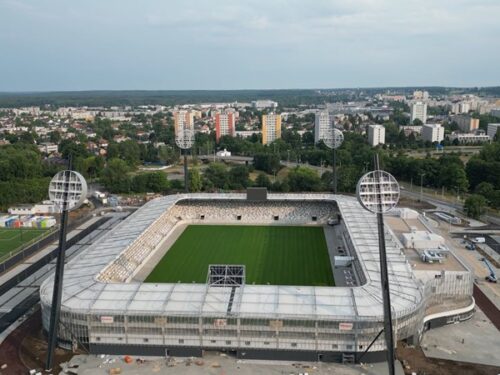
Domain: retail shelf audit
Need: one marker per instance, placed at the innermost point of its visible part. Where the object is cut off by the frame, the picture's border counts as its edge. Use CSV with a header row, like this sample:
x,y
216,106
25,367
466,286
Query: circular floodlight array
x,y
378,191
68,190
333,138
185,139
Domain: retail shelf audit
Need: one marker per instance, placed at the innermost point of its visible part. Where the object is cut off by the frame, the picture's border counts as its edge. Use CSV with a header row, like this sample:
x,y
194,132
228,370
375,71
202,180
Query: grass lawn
x,y
12,238
277,255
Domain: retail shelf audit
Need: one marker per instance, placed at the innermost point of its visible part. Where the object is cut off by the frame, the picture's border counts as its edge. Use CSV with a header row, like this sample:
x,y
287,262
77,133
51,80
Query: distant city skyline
x,y
226,45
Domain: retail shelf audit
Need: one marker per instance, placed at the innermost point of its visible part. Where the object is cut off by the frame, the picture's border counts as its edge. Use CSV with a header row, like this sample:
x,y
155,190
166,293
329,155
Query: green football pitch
x,y
276,255
12,238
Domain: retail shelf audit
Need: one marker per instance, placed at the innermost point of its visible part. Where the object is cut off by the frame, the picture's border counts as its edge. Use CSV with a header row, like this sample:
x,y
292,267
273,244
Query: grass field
x,y
11,239
276,255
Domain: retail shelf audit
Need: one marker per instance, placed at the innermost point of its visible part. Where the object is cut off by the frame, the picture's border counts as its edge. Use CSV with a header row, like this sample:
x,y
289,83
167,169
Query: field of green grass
x,y
12,238
277,255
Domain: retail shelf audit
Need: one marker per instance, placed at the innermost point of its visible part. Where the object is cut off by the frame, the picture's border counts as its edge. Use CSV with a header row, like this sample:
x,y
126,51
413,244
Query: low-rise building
x,y
470,137
47,148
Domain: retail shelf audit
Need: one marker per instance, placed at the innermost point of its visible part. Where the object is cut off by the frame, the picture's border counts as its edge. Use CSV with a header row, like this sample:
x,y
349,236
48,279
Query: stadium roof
x,y
83,292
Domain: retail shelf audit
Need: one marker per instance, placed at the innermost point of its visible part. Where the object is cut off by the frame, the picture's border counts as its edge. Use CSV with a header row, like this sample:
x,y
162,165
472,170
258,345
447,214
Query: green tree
x,y
115,176
269,163
474,206
303,179
262,181
485,189
69,147
216,176
195,180
238,177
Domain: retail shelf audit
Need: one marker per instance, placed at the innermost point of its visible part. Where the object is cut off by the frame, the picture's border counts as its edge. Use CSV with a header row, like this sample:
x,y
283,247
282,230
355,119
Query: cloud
x,y
285,43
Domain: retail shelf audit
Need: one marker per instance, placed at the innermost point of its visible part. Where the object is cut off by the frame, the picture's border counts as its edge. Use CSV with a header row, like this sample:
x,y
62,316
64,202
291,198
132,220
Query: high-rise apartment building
x,y
466,124
224,124
419,110
183,120
376,135
322,126
271,128
432,132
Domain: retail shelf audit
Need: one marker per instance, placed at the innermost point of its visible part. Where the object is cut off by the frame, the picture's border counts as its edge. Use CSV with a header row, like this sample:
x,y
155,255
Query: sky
x,y
52,45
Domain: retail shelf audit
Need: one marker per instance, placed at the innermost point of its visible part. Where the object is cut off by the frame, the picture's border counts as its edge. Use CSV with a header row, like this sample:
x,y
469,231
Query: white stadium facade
x,y
107,310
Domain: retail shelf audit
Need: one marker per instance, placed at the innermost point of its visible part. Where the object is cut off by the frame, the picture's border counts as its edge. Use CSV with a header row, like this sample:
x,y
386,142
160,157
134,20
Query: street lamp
x,y
378,192
68,190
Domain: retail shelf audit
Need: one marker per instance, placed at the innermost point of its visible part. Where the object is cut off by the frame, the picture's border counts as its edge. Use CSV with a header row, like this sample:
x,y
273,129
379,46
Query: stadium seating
x,y
268,212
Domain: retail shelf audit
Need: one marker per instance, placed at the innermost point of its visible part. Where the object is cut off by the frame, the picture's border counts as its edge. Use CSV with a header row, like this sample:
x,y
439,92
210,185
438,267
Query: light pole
x,y
333,139
184,141
421,185
378,192
68,190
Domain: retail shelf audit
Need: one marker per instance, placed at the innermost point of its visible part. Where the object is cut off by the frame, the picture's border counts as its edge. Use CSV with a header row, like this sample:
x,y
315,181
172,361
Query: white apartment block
x,y
466,124
322,126
418,110
271,128
183,120
493,129
432,132
376,135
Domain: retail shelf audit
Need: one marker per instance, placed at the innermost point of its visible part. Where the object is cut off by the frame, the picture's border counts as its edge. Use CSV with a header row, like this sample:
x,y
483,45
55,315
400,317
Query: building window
x,y
181,341
145,339
97,339
228,342
361,347
202,217
293,344
238,217
247,342
335,346
314,218
266,342
348,347
276,217
213,341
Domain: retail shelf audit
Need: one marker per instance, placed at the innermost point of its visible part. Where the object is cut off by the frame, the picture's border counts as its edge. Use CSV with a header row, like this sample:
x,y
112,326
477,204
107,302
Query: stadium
x,y
281,276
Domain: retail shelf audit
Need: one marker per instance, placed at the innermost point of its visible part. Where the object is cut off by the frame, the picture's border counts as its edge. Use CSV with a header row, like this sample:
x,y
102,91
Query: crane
x,y
492,277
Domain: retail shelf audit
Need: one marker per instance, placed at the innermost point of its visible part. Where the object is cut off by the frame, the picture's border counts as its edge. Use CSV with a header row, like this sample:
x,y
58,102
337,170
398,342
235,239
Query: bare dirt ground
x,y
26,348
414,360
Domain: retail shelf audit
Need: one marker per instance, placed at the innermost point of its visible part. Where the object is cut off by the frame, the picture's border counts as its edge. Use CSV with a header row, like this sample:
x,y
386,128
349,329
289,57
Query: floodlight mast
x,y
386,191
72,184
334,140
185,141
386,295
